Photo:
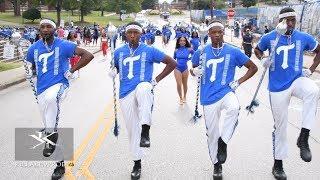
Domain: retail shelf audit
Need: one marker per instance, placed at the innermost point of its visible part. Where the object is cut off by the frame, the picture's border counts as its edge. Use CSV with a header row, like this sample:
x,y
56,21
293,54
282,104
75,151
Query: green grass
x,y
8,66
66,16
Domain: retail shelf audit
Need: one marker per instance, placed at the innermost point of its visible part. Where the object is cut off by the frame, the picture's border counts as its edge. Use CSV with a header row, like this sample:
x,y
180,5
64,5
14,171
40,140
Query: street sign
x,y
231,12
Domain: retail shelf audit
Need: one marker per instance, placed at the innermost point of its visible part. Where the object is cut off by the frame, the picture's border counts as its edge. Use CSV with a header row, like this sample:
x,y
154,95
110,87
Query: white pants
x,y
212,115
49,104
304,89
136,108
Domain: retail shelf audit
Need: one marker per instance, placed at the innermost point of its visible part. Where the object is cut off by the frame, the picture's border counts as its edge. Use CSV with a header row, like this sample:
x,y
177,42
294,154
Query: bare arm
x,y
86,57
259,54
316,60
252,69
170,65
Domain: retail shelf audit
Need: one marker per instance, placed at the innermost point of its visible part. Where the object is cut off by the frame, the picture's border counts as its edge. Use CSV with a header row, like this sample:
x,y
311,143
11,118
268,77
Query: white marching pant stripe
x,y
212,114
136,109
304,89
49,105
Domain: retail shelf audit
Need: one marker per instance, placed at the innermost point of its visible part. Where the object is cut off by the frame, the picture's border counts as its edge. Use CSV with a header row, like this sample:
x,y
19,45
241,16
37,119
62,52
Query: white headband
x,y
287,14
48,21
215,24
133,26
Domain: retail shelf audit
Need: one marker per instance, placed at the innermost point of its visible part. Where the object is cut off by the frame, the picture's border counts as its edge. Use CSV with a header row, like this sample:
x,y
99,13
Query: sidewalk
x,y
308,59
16,76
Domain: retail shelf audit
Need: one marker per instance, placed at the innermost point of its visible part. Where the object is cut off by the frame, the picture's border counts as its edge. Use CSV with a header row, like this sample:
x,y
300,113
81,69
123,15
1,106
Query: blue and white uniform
x,y
135,67
143,38
182,56
285,80
51,64
195,43
215,94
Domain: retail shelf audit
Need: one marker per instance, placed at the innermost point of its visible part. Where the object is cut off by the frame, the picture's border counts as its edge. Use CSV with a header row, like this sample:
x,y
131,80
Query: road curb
x,y
18,81
22,79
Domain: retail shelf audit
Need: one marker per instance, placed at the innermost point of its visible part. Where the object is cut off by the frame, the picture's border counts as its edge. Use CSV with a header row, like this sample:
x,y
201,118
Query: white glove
x,y
306,72
234,85
28,67
266,62
112,72
68,75
281,28
197,71
154,83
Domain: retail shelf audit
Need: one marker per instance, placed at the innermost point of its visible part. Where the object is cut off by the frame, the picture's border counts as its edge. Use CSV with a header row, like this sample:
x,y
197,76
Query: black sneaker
x,y
59,171
277,171
303,144
222,151
136,172
49,148
217,171
145,139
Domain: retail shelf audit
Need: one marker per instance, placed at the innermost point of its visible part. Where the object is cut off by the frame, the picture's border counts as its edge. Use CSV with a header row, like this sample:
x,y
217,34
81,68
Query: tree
x,y
16,7
31,3
58,5
201,4
84,8
204,4
31,14
102,6
128,5
70,5
248,3
148,4
219,4
2,6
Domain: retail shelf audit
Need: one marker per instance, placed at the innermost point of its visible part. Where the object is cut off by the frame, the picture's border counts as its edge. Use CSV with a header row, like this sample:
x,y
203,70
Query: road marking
x,y
86,164
70,164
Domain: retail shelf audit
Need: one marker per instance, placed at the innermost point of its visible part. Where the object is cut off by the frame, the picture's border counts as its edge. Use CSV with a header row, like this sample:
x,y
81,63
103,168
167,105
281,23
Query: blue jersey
x,y
137,67
219,71
143,38
51,65
149,35
195,43
288,57
166,32
181,55
182,34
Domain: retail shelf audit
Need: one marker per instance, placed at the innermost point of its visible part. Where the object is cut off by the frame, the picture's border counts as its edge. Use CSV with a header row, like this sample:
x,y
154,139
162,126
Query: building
x,y
181,5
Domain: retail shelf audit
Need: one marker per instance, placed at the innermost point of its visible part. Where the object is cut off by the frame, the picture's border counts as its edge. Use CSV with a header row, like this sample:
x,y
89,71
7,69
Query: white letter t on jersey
x,y
285,50
44,58
214,63
130,61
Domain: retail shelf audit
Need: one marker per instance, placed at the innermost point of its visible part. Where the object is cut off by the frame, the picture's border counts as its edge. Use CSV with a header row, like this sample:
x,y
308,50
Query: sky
x,y
169,1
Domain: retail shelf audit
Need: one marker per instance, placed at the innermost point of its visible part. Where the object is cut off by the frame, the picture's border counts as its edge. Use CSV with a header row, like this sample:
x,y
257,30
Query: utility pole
x,y
211,6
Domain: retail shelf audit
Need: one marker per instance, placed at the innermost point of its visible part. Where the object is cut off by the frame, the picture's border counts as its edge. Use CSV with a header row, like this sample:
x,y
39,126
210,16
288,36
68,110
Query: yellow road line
x,y
86,164
69,175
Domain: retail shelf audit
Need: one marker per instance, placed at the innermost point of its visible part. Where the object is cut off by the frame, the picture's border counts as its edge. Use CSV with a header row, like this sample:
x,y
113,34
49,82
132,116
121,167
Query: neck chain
x,y
289,39
219,49
49,49
133,51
